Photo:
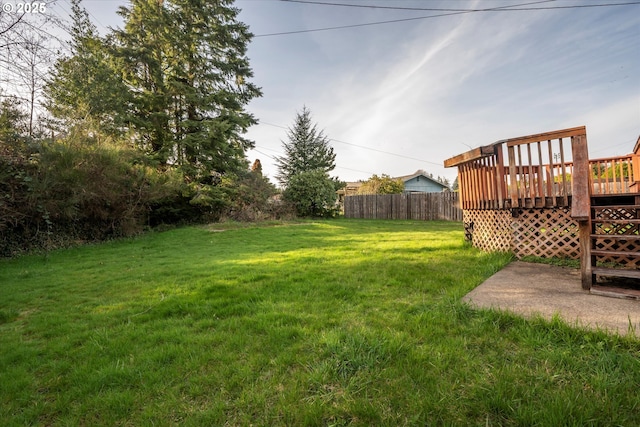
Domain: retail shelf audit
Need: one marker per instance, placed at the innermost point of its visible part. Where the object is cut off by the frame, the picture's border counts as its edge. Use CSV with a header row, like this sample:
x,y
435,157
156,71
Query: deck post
x,y
586,267
581,205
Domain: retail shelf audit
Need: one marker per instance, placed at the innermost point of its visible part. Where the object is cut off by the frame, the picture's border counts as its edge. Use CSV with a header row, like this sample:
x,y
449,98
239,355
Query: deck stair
x,y
615,236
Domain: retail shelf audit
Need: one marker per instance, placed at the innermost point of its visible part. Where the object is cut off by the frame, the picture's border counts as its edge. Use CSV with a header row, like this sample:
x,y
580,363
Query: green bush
x,y
253,198
67,192
381,185
313,193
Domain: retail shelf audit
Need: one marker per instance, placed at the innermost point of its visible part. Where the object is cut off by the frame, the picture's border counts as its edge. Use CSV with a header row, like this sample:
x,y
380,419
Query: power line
x,y
630,141
273,158
364,147
511,8
431,9
387,152
508,8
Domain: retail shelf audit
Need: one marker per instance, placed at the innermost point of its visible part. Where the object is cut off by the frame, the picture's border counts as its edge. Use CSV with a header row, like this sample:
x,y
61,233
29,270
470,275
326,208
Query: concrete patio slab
x,y
530,289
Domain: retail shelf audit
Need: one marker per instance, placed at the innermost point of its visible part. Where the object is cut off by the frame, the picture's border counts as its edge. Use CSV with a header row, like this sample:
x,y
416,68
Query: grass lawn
x,y
342,322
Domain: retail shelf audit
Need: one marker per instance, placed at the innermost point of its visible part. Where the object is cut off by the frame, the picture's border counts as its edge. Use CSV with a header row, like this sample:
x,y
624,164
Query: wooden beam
x,y
556,134
476,153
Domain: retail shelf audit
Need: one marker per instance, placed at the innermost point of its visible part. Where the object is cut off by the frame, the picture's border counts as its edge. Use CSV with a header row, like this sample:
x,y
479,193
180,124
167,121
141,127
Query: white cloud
x,y
431,88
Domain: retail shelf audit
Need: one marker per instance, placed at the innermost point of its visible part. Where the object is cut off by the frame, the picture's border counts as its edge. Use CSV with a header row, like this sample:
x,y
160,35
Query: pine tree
x,y
186,63
307,149
84,89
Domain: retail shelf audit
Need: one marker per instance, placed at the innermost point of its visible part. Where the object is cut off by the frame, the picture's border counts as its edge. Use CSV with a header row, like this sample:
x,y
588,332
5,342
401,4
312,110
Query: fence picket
x,y
419,206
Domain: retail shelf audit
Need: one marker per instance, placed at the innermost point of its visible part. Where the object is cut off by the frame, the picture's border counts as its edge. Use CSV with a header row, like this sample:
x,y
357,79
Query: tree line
x,y
143,126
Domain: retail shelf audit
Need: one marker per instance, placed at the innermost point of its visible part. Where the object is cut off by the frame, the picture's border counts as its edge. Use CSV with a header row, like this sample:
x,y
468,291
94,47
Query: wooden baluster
x,y
565,192
494,181
481,190
513,177
486,176
501,184
627,183
532,182
614,176
474,185
462,187
607,171
620,177
470,200
552,184
522,188
479,185
635,171
598,177
540,176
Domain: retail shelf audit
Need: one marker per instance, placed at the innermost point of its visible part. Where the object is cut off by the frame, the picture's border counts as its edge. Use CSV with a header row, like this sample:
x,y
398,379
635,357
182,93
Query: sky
x,y
397,97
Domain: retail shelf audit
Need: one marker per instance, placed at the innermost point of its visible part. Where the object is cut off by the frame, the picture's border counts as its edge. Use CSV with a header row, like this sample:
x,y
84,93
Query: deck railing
x,y
538,171
540,168
614,175
530,171
550,170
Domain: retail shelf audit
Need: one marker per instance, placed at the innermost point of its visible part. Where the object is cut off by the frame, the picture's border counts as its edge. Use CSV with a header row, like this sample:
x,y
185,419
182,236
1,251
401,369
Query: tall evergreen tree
x,y
13,126
186,63
307,149
84,88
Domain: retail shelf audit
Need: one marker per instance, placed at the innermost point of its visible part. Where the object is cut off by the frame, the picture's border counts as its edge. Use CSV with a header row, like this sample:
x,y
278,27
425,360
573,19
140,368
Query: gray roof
x,y
422,173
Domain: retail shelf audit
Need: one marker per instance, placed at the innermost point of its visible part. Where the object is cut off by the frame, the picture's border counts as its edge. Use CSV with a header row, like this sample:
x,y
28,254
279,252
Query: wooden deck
x,y
553,171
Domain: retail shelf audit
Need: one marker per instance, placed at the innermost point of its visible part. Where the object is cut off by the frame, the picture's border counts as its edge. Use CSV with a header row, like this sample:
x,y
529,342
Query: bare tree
x,y
28,42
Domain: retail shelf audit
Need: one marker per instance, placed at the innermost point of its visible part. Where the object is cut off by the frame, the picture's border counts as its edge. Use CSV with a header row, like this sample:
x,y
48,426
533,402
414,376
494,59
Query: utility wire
x,y
508,8
364,147
516,7
273,158
430,9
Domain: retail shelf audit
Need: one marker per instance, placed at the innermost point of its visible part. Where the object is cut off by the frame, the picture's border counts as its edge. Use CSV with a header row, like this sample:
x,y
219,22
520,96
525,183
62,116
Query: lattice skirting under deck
x,y
488,230
540,232
546,233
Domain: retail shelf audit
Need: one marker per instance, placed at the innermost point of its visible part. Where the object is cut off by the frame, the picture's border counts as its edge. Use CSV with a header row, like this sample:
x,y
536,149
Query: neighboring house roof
x,y
409,180
636,149
421,174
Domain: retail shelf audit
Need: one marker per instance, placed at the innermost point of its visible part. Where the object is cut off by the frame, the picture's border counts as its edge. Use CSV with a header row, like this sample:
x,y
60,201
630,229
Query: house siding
x,y
422,184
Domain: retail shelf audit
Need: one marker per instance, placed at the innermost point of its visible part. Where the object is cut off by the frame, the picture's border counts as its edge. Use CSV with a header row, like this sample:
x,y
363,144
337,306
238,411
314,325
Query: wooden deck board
x,y
616,272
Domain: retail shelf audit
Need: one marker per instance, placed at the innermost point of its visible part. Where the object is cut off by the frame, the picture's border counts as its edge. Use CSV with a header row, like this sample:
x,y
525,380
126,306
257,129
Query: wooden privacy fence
x,y
420,206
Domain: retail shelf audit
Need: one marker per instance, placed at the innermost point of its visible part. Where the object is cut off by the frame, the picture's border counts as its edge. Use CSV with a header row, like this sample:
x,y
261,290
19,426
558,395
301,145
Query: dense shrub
x,y
78,190
313,193
63,193
253,198
382,185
